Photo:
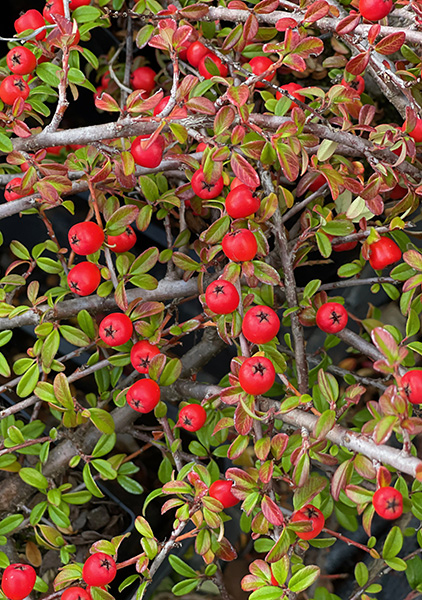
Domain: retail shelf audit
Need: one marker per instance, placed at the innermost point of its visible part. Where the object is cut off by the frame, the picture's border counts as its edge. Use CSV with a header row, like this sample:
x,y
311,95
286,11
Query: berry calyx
x,y
85,238
192,417
331,317
116,329
221,490
21,60
84,278
256,375
99,569
203,189
18,581
411,382
312,515
53,7
9,191
222,297
240,245
260,324
388,503
149,156
141,354
383,252
144,395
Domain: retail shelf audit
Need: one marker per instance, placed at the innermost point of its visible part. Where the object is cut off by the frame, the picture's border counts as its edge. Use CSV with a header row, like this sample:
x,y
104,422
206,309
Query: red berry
x,y
192,417
9,191
240,202
222,297
21,60
18,581
99,569
331,317
343,247
397,193
383,253
236,183
374,10
310,514
205,190
123,242
116,329
357,84
411,383
13,87
77,3
86,238
256,375
203,70
293,89
144,395
143,78
141,354
388,503
416,132
317,183
260,324
151,156
221,490
240,245
201,147
178,112
53,7
196,52
76,593
84,278
259,65
31,19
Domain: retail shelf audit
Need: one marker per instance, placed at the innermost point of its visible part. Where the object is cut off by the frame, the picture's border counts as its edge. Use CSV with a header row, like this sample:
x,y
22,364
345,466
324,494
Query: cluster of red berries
x,y
86,238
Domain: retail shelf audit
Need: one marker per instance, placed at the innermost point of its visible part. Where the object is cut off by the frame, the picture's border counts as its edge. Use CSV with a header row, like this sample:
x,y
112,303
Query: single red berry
x,y
76,593
116,329
397,193
201,147
99,569
105,80
203,69
260,324
416,132
222,297
84,278
293,89
203,189
241,202
13,87
151,156
343,247
357,84
53,7
240,245
331,317
123,242
411,383
143,78
221,490
144,395
9,191
317,183
256,375
383,252
196,52
141,354
18,581
374,10
31,19
21,60
85,238
388,503
73,4
310,514
260,64
192,417
178,112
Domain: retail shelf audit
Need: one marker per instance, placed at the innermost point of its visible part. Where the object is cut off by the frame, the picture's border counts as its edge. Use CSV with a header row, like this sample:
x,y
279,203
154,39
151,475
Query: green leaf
x,y
130,485
184,587
104,468
268,592
47,72
5,143
104,445
77,497
396,563
181,567
171,372
74,336
10,523
28,382
304,578
86,14
102,420
393,544
34,478
361,574
90,483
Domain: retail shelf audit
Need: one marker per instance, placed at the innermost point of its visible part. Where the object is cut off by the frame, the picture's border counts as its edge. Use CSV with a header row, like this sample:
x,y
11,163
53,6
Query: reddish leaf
x,y
358,64
391,43
348,24
233,38
242,421
289,162
341,478
201,105
317,10
106,102
286,23
250,28
238,94
223,119
375,205
295,62
195,11
272,512
373,33
244,171
266,7
310,46
383,477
